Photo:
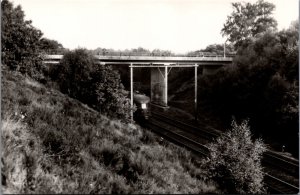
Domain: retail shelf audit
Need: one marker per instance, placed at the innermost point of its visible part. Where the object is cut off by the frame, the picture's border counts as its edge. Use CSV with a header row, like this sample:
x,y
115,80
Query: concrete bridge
x,y
160,68
123,60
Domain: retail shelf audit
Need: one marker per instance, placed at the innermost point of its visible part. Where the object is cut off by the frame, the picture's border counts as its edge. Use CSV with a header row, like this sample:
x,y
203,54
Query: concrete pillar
x,y
159,84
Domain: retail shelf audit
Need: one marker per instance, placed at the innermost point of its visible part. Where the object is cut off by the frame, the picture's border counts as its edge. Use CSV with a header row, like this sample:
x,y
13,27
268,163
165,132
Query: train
x,y
142,103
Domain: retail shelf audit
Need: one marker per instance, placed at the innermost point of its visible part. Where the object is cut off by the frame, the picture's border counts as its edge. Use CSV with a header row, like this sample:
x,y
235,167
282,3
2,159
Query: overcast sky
x,y
176,25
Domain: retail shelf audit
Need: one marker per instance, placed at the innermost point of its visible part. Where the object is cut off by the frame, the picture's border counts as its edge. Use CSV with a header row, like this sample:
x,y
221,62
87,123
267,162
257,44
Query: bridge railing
x,y
157,54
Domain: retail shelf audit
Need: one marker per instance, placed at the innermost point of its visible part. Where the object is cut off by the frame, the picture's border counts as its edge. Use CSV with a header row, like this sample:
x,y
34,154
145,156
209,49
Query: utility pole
x,y
131,91
224,48
196,95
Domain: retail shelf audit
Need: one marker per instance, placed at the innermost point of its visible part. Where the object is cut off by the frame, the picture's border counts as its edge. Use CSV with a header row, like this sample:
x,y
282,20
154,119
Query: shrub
x,y
235,161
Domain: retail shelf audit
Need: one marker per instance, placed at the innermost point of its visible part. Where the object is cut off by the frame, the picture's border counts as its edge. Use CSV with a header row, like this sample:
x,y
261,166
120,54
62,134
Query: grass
x,y
55,144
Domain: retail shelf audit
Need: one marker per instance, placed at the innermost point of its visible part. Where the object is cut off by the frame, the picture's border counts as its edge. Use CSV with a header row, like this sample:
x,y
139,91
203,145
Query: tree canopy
x,y
248,20
213,49
50,46
134,51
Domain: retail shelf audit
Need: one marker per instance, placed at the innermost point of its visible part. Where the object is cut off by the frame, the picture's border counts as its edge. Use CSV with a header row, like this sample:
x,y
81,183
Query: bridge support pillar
x,y
159,86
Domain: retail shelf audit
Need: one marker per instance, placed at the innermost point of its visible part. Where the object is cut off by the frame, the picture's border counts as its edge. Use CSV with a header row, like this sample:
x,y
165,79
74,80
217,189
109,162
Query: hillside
x,y
55,144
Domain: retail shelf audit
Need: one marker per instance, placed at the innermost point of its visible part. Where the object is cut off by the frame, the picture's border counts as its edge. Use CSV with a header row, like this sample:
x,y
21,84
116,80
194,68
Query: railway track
x,y
276,185
270,158
177,137
186,134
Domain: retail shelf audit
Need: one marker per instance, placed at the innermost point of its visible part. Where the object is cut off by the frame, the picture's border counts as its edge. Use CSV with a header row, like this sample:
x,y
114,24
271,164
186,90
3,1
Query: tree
x,y
140,51
20,41
75,73
248,20
289,40
96,85
159,52
213,49
50,46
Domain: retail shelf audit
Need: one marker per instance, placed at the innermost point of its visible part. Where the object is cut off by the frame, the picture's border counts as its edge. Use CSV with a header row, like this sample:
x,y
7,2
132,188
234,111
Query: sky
x,y
176,25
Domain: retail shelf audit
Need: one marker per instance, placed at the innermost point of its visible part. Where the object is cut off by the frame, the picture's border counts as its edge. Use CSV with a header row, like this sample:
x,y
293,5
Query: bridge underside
x,y
159,85
159,82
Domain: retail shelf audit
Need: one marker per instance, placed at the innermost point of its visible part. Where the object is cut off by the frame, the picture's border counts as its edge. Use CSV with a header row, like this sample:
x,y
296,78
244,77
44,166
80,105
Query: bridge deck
x,y
150,60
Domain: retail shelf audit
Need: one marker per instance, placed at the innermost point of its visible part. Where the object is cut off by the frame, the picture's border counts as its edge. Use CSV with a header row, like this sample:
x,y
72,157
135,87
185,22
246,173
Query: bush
x,y
96,85
235,161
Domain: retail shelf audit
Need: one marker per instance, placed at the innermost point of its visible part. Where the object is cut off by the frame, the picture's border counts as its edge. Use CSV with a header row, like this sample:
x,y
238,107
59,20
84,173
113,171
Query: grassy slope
x,y
54,144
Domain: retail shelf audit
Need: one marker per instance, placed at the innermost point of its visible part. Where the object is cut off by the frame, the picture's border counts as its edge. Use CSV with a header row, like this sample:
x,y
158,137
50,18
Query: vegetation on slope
x,y
55,144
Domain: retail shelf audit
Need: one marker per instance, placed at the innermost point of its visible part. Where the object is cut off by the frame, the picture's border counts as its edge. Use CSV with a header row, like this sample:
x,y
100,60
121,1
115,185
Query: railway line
x,y
195,139
270,158
178,137
276,185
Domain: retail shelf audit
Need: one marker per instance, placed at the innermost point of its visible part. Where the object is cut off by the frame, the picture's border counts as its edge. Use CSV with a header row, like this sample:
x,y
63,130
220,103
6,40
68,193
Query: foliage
x,y
159,52
134,51
109,91
248,20
50,46
55,144
213,49
96,85
20,41
235,161
262,85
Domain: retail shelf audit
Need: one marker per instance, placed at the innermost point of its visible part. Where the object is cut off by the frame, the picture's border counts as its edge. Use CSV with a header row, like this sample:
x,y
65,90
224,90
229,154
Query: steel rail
x,y
178,138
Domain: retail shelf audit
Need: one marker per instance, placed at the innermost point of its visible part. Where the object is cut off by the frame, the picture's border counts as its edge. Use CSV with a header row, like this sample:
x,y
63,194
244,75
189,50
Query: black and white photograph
x,y
150,96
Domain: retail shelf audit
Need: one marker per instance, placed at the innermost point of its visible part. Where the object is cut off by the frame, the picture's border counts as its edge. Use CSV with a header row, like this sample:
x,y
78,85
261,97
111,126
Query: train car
x,y
142,104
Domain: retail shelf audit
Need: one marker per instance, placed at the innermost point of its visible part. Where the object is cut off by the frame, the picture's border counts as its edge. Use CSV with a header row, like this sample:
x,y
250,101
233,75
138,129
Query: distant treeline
x,y
210,51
